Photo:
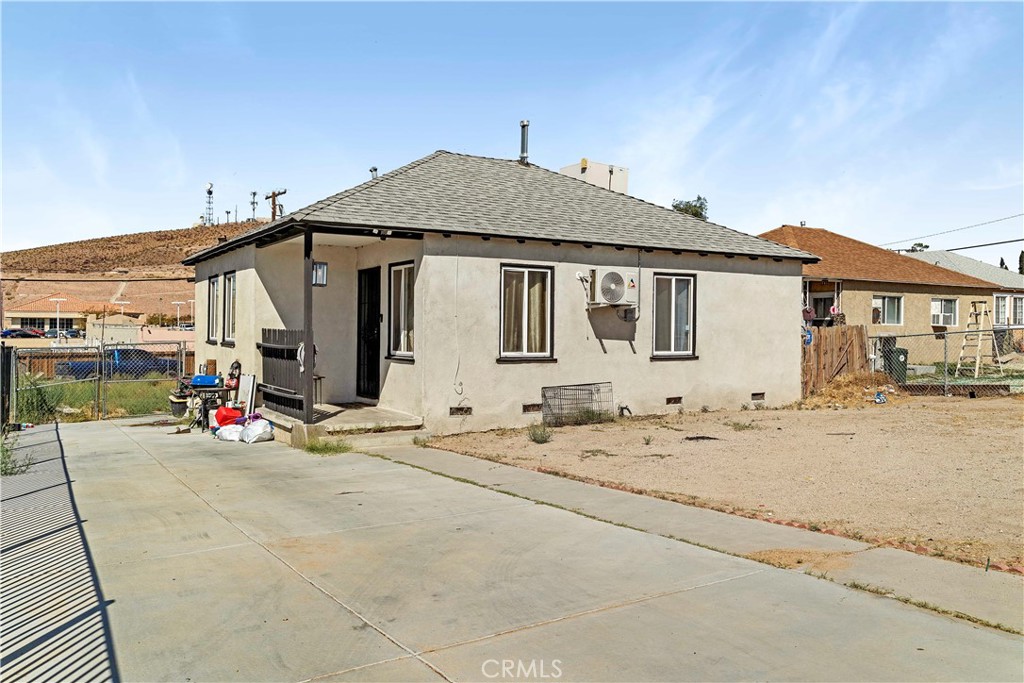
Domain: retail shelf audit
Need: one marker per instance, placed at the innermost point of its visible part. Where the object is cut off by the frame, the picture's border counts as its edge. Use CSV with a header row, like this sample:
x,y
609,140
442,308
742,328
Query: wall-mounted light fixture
x,y
319,274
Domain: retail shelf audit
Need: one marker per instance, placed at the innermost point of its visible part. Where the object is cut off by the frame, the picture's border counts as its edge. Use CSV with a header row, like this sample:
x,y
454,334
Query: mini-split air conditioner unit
x,y
614,287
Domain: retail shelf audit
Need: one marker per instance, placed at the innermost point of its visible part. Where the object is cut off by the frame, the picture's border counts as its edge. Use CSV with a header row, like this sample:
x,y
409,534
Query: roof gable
x,y
844,258
463,194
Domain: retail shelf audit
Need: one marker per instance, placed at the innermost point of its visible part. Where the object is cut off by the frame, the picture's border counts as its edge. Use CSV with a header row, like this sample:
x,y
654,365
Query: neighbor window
x,y
229,306
1018,311
1000,312
944,312
822,305
402,309
887,310
673,314
526,311
212,309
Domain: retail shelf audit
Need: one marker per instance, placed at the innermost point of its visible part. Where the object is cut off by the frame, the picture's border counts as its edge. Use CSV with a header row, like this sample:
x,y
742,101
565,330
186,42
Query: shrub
x,y
325,447
538,433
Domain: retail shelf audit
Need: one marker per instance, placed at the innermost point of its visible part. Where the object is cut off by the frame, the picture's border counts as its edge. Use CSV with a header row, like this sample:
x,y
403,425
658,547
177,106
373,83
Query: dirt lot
x,y
942,473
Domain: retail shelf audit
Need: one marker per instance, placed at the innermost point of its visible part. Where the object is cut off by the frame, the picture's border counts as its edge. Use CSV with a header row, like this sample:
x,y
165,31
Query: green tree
x,y
918,246
1002,264
1020,263
698,208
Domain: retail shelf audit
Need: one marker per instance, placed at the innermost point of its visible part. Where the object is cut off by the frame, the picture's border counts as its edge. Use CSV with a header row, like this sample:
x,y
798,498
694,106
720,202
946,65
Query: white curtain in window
x,y
682,317
513,283
537,309
663,314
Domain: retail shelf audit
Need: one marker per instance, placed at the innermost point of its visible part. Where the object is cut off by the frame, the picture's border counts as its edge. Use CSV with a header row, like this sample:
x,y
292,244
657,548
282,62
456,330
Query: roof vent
x,y
373,172
525,128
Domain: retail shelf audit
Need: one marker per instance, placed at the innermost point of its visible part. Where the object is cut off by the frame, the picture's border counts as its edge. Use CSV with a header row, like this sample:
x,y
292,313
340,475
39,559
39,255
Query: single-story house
x,y
892,294
50,312
456,287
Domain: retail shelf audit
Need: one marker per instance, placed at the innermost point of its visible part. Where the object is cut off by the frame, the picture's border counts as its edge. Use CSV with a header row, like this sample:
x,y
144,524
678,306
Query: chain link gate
x,y
74,384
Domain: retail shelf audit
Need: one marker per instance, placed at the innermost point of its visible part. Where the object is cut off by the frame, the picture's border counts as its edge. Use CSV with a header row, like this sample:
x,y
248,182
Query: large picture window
x,y
673,314
887,310
229,306
944,312
212,308
526,311
402,338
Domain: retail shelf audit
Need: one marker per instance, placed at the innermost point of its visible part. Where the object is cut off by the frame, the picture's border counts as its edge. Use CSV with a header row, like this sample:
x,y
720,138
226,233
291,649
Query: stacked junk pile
x,y
221,405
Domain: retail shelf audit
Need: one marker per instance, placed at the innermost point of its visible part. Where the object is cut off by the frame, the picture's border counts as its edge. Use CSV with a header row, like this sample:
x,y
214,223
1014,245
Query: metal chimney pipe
x,y
373,172
525,126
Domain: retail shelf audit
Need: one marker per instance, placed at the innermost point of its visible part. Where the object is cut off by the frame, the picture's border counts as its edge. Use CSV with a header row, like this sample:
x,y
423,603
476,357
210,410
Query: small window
x,y
229,306
212,309
526,312
1000,312
944,312
1018,310
823,305
402,310
887,310
673,315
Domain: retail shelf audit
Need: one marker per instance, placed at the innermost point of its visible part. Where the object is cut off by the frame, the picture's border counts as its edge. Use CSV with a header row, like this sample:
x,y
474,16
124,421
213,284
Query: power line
x,y
990,244
946,232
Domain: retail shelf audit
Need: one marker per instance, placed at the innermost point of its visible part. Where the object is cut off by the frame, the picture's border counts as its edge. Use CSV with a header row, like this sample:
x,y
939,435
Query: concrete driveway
x,y
224,561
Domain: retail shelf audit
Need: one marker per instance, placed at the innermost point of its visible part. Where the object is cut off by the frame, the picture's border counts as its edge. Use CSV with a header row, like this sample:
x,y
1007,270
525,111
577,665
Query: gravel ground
x,y
946,473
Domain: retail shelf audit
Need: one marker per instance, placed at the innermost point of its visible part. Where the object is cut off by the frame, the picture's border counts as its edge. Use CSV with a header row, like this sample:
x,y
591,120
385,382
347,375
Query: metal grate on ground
x,y
577,404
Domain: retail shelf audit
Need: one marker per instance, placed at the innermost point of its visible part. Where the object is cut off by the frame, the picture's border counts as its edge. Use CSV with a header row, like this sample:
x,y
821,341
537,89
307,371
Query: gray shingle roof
x,y
1007,279
458,193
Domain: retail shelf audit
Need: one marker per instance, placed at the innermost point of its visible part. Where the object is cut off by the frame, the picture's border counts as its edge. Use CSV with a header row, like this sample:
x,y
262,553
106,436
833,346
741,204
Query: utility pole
x,y
253,204
272,196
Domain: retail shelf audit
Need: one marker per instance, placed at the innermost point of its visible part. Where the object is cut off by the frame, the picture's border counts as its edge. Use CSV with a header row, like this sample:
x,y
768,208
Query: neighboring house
x,y
456,287
43,313
1007,304
892,294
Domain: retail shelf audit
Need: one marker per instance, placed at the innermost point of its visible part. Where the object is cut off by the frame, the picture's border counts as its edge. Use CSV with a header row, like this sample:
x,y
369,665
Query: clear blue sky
x,y
879,121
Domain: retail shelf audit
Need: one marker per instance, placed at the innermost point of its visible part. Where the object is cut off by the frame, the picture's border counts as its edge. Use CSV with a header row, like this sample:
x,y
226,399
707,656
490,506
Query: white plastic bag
x,y
229,433
258,430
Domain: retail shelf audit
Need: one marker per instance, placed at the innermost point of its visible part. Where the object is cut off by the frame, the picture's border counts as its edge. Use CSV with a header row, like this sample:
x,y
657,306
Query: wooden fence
x,y
833,351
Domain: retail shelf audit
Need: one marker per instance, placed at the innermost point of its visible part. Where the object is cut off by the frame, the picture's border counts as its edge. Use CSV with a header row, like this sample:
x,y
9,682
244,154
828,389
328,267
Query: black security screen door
x,y
368,347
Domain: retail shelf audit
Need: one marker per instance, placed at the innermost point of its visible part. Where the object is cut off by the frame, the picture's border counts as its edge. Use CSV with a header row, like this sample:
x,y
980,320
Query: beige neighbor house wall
x,y
917,314
270,295
747,324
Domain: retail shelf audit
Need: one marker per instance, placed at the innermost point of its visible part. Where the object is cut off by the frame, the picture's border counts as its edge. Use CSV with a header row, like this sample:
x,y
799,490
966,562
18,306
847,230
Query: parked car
x,y
129,363
74,334
18,333
53,333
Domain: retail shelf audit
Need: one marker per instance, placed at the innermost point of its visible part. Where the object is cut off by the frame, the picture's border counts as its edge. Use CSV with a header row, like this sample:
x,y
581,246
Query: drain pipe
x,y
524,125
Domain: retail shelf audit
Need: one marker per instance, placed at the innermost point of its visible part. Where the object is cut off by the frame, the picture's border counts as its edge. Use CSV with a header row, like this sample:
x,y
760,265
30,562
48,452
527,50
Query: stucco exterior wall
x,y
917,302
747,333
747,320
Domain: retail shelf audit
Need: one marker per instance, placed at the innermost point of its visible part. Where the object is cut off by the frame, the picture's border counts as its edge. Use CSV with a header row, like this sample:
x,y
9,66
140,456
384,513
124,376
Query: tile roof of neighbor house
x,y
463,194
70,304
1005,279
844,258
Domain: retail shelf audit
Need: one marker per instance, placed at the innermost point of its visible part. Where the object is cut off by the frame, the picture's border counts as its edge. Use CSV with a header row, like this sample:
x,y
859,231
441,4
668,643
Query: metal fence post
x,y
945,364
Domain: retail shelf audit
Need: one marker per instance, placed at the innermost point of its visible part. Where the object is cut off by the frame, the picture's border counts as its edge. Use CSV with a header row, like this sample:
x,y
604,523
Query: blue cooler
x,y
205,381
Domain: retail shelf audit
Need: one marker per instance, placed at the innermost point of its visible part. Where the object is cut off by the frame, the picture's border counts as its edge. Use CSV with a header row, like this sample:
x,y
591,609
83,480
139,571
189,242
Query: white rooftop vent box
x,y
614,286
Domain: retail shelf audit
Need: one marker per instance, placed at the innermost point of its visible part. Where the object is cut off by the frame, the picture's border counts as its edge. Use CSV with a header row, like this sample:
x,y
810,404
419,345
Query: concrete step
x,y
403,437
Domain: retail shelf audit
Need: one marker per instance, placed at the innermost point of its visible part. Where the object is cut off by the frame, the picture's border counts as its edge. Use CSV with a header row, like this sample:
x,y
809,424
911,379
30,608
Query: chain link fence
x,y
965,363
74,384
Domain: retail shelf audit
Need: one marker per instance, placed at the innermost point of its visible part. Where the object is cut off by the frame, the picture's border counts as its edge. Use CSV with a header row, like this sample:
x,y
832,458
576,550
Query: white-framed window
x,y
944,312
673,314
229,306
212,308
526,311
1000,312
1018,311
401,335
886,310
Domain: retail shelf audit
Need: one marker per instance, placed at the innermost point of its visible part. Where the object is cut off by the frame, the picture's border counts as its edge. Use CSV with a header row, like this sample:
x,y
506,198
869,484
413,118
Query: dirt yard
x,y
946,474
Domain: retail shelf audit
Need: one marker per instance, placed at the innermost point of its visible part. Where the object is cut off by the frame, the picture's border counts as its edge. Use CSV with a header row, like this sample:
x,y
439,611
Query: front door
x,y
368,330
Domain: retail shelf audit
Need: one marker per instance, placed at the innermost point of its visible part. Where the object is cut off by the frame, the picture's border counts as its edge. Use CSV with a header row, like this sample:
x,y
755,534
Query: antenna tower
x,y
253,204
209,203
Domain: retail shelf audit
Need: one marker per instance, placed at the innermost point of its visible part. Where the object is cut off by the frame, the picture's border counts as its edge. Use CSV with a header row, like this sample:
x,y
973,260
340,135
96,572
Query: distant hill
x,y
160,249
143,268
